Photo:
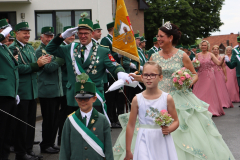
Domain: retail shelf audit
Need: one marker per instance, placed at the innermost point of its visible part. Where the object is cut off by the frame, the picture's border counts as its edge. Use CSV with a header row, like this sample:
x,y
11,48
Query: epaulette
x,y
71,114
103,46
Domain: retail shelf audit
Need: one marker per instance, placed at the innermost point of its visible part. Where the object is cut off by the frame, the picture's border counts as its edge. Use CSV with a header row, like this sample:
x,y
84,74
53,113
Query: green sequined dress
x,y
197,137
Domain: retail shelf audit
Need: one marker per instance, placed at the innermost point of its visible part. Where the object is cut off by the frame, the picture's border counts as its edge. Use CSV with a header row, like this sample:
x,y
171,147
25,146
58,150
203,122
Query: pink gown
x,y
232,84
221,85
205,88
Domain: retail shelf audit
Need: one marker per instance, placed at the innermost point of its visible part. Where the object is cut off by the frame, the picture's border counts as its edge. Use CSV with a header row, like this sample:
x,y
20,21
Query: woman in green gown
x,y
197,137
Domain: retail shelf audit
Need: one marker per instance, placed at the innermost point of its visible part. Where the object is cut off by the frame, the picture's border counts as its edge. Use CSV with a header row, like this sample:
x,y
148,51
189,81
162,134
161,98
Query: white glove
x,y
141,68
133,66
124,76
194,58
227,58
6,31
69,32
17,99
107,71
119,55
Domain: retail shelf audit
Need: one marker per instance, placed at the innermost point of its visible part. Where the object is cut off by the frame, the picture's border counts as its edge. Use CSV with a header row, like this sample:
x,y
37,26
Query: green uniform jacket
x,y
192,55
151,51
74,147
141,54
235,63
104,63
50,77
27,68
9,78
64,76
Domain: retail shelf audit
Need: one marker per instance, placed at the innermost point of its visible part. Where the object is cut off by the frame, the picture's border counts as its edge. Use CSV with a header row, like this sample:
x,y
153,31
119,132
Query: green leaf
x,y
83,77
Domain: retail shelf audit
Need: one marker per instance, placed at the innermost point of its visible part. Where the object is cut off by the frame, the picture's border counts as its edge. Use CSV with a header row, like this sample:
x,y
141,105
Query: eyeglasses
x,y
85,34
84,99
152,76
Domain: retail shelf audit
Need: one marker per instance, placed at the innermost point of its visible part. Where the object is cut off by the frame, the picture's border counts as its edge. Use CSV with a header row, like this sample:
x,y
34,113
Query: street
x,y
228,125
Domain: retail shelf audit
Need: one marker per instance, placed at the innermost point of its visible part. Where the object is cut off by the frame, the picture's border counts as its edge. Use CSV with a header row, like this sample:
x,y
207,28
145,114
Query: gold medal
x,y
93,121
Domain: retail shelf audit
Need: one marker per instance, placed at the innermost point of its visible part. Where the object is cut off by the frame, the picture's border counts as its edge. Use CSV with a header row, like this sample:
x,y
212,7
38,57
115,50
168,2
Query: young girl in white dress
x,y
151,144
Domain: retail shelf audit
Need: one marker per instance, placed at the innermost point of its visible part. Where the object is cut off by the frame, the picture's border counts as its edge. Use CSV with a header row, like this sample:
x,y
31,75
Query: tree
x,y
195,18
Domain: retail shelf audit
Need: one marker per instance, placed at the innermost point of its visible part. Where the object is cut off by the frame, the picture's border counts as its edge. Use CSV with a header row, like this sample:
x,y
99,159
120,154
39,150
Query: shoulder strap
x,y
87,135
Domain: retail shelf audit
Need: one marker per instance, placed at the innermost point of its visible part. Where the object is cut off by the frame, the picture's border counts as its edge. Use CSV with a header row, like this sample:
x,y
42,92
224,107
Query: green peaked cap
x,y
193,46
185,47
12,35
3,23
179,46
154,39
238,39
110,25
142,39
85,22
67,27
23,26
96,26
83,88
137,36
47,30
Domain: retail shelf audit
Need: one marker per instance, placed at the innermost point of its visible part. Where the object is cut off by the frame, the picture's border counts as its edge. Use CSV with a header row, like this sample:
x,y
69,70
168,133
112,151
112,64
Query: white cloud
x,y
230,17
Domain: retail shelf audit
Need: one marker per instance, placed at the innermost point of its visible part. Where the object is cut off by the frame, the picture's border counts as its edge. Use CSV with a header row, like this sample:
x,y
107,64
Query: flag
x,y
123,37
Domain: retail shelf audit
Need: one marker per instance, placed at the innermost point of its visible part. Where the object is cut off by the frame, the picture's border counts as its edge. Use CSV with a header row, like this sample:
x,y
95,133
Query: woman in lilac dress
x,y
221,77
232,84
205,88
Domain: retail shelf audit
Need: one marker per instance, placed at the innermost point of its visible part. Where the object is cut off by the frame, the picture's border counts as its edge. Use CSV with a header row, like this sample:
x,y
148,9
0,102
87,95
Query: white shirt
x,y
86,114
95,40
110,35
65,42
87,50
1,44
21,43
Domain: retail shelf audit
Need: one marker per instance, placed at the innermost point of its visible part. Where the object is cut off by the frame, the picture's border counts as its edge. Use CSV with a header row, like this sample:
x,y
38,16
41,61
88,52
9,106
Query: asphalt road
x,y
228,125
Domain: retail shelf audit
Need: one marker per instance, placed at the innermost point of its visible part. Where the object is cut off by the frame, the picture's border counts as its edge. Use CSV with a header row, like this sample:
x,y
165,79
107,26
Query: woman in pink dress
x,y
232,84
221,77
205,88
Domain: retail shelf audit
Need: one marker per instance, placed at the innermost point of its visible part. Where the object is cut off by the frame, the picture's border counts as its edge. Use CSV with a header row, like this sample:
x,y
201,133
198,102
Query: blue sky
x,y
230,16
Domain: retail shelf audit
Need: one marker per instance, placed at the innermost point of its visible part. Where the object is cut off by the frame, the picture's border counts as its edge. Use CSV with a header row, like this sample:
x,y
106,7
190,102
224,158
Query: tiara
x,y
168,25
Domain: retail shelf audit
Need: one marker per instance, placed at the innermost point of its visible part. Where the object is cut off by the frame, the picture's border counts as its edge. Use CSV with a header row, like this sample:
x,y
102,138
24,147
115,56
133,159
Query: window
x,y
57,19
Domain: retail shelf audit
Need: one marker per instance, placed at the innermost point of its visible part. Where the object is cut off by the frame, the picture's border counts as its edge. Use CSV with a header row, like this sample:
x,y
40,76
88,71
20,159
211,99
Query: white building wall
x,y
101,10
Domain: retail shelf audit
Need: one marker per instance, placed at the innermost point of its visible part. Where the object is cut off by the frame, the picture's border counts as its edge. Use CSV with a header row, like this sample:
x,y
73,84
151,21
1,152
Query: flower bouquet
x,y
164,119
196,63
182,79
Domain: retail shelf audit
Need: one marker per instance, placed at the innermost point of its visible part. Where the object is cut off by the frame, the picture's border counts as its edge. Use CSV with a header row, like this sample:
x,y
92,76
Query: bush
x,y
35,44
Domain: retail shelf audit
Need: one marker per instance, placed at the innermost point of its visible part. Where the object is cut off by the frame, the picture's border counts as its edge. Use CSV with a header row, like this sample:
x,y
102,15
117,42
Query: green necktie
x,y
82,53
84,120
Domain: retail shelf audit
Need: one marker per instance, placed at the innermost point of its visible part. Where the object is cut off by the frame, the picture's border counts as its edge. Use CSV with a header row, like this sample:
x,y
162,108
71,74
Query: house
x,y
223,41
56,13
60,13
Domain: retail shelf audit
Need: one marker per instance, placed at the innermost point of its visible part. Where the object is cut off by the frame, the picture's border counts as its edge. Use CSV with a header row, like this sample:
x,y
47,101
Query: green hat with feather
x,y
84,22
84,88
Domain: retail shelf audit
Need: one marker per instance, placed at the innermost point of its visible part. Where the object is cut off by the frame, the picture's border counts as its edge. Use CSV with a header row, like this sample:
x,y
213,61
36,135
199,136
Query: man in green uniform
x,y
97,32
11,39
85,57
86,133
155,47
49,93
28,66
193,52
137,38
235,61
64,110
141,52
9,81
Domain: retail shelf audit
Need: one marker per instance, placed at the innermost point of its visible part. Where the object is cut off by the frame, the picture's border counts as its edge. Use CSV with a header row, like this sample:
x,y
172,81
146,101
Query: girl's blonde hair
x,y
154,64
215,46
227,48
208,44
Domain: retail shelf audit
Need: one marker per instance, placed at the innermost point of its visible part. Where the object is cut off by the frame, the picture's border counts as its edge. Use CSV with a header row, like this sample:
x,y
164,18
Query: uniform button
x,y
85,148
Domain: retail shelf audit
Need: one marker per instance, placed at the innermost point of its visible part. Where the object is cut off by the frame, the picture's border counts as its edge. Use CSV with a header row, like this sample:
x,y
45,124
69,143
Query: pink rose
x,y
194,60
180,72
182,78
169,115
183,68
180,82
163,111
175,79
188,76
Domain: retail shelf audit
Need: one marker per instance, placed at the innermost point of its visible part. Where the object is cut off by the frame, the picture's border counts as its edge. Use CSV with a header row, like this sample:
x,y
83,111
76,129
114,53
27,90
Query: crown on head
x,y
168,25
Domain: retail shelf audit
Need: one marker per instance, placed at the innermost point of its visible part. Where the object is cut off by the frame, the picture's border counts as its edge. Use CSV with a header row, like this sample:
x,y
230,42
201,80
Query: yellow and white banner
x,y
123,37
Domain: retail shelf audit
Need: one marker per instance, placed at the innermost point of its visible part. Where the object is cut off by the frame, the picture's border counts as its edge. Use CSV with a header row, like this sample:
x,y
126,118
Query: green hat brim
x,y
24,29
11,37
97,29
3,27
49,33
84,26
84,95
